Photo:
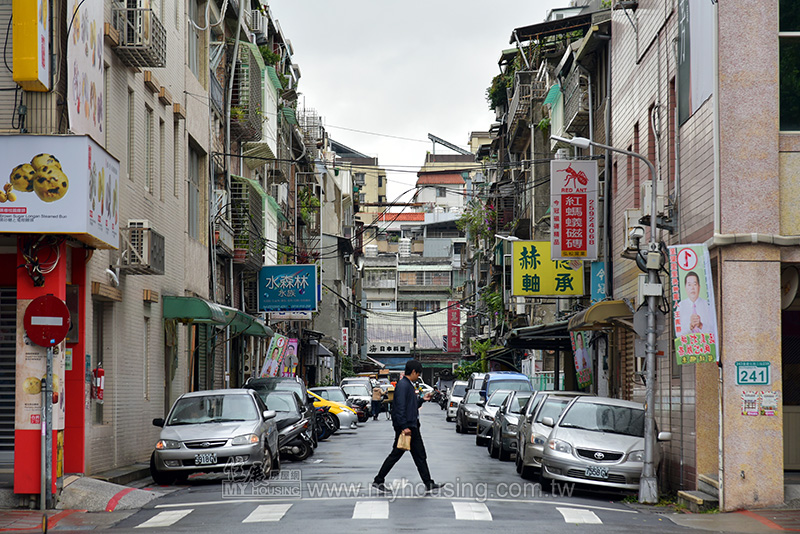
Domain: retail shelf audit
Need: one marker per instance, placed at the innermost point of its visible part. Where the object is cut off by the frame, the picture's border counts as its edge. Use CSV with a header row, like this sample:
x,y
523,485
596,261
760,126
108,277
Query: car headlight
x,y
538,439
487,417
470,412
168,444
636,456
560,446
511,428
453,404
246,439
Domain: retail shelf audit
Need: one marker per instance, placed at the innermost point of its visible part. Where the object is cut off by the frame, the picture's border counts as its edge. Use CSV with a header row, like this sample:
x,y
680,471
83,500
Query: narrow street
x,y
333,493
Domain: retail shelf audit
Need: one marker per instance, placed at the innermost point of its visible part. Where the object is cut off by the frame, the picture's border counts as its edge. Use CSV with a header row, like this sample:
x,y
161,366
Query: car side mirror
x,y
548,421
269,414
664,436
158,421
480,403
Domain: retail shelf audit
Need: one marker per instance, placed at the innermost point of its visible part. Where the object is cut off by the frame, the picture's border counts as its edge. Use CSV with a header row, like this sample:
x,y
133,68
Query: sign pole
x,y
42,450
48,449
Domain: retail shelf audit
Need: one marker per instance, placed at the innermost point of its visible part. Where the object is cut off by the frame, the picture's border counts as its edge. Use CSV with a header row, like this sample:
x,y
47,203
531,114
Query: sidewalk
x,y
745,521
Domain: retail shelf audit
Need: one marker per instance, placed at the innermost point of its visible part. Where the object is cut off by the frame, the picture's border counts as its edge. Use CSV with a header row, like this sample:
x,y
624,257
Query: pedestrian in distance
x,y
405,419
377,400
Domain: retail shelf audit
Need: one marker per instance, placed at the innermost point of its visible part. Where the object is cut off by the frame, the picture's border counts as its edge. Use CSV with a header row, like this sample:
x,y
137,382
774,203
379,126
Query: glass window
x,y
459,390
441,191
515,385
605,418
789,48
212,409
193,187
552,408
148,149
498,398
193,46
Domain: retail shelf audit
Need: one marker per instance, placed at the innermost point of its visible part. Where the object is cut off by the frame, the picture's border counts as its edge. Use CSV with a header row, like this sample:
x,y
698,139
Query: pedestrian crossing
x,y
361,510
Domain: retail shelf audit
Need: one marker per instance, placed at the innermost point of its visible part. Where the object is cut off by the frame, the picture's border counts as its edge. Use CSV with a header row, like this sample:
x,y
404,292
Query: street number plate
x,y
205,459
753,374
597,472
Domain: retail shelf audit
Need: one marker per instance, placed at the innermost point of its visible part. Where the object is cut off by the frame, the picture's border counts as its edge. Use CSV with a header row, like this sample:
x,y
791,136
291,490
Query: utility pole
x,y
414,350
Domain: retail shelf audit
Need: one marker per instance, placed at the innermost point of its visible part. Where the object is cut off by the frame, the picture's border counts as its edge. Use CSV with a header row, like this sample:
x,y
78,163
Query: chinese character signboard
x,y
693,304
287,288
535,274
397,349
345,343
573,209
583,357
598,281
453,326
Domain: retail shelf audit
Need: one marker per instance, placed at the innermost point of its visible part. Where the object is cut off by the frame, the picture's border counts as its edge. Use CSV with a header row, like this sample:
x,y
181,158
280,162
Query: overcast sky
x,y
401,70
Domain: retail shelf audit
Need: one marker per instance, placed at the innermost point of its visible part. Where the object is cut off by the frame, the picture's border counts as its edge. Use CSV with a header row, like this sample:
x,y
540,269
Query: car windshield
x,y
212,409
280,402
263,388
552,408
518,403
472,397
355,389
477,384
497,398
514,385
605,418
335,395
459,390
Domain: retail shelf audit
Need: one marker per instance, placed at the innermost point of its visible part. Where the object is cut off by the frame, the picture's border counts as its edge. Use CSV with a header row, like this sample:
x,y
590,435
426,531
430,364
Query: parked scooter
x,y
294,440
440,398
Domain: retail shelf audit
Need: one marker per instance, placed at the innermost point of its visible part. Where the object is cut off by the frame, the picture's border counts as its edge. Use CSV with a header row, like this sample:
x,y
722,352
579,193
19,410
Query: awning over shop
x,y
552,336
322,350
598,316
191,310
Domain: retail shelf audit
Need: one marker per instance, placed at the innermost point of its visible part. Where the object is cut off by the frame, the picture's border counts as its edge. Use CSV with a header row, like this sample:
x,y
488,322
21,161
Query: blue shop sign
x,y
284,288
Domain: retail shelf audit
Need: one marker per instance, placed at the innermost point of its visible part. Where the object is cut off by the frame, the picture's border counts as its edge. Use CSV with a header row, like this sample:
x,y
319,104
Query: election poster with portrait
x,y
694,310
274,358
583,357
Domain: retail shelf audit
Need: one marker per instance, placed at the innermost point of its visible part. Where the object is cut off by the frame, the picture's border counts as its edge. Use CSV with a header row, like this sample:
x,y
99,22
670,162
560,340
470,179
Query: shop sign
x,y
535,274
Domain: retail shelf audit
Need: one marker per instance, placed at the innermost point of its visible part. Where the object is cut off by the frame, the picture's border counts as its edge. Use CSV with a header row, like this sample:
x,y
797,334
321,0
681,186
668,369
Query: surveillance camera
x,y
636,232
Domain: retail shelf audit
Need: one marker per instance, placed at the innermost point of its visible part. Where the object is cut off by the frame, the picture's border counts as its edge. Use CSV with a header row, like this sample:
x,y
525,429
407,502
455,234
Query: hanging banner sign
x,y
535,274
272,363
453,326
573,209
583,357
695,315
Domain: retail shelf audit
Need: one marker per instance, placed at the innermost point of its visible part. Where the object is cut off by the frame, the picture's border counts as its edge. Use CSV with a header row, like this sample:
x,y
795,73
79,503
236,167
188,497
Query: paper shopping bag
x,y
404,442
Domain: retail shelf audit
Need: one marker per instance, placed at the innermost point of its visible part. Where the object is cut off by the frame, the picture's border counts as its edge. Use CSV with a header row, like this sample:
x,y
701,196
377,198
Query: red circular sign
x,y
46,320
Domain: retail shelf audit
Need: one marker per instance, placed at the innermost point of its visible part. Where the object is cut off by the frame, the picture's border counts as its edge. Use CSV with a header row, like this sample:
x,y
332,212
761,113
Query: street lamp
x,y
648,487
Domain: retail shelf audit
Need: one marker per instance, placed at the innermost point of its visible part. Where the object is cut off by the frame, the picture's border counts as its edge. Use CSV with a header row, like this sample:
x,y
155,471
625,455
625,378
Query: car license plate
x,y
205,459
597,472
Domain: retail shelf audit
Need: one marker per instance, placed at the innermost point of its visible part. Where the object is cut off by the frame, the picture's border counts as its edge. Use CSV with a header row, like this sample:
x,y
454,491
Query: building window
x,y
176,158
193,46
441,191
148,149
162,157
380,180
131,136
789,43
193,194
381,198
362,197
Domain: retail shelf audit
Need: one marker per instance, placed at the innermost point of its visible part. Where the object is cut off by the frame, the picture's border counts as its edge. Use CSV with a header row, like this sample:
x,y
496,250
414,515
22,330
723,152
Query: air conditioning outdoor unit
x,y
646,191
143,251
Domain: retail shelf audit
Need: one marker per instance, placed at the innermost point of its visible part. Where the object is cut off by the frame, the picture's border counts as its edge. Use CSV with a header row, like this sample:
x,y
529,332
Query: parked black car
x,y
263,386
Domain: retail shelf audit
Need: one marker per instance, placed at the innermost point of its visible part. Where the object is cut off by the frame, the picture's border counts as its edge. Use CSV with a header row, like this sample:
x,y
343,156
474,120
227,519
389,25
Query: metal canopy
x,y
553,27
553,336
197,310
597,317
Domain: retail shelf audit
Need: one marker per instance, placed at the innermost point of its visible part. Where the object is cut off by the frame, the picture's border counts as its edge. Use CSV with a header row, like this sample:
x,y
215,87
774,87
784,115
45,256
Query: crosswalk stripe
x,y
471,511
165,519
267,512
371,510
575,515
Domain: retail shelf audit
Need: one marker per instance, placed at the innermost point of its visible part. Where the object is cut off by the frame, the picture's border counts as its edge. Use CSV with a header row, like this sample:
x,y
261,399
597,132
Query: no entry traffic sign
x,y
46,320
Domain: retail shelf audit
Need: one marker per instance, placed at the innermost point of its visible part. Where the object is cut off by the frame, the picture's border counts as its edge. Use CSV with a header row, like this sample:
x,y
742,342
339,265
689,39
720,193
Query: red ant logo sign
x,y
574,176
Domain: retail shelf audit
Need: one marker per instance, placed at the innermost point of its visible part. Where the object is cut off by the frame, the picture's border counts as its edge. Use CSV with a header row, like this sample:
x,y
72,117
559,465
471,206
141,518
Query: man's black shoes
x,y
381,487
433,486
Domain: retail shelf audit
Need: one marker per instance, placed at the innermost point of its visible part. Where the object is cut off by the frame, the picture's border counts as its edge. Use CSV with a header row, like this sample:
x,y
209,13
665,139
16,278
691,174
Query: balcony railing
x,y
216,93
142,38
576,102
246,109
379,284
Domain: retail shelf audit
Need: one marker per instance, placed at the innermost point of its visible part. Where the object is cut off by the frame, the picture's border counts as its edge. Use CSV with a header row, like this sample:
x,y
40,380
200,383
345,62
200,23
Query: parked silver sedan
x,y
468,411
486,418
216,430
598,441
503,435
454,398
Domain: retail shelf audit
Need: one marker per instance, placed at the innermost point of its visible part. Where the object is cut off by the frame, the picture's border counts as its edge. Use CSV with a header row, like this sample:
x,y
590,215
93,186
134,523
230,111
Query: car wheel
x,y
458,427
493,450
276,463
547,484
503,454
448,418
478,440
527,472
518,461
160,477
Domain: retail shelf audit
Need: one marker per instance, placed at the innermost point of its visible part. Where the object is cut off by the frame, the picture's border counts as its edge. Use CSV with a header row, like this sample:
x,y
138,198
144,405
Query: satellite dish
x,y
790,279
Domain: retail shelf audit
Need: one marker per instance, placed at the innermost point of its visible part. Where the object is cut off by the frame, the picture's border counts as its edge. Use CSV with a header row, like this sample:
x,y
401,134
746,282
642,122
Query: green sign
x,y
753,374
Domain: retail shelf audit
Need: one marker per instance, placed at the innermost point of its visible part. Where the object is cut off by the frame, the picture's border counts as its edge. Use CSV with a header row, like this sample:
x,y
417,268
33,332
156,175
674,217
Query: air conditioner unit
x,y
646,190
144,249
259,22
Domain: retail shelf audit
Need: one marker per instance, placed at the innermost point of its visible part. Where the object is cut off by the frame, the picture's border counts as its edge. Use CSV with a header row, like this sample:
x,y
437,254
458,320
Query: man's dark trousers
x,y
417,453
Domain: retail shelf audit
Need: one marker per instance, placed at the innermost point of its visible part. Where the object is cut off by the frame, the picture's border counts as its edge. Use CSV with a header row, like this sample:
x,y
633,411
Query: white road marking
x,y
165,519
471,511
371,510
267,512
317,461
574,515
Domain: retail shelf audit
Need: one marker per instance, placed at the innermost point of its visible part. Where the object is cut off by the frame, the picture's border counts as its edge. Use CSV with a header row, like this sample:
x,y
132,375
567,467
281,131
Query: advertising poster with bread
x,y
85,98
63,184
30,370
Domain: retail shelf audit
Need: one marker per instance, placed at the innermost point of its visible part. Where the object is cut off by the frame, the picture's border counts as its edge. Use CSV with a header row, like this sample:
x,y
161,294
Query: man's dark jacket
x,y
405,406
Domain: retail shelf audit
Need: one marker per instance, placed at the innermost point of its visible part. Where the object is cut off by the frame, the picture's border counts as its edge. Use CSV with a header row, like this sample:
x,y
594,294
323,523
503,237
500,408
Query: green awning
x,y
190,310
193,310
274,79
254,183
290,115
276,207
552,94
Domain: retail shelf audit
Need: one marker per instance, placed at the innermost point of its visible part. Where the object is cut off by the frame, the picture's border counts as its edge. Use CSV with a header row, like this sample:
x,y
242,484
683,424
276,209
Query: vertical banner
x,y
85,98
693,305
598,291
453,326
272,363
573,209
583,357
345,342
695,55
535,274
289,367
